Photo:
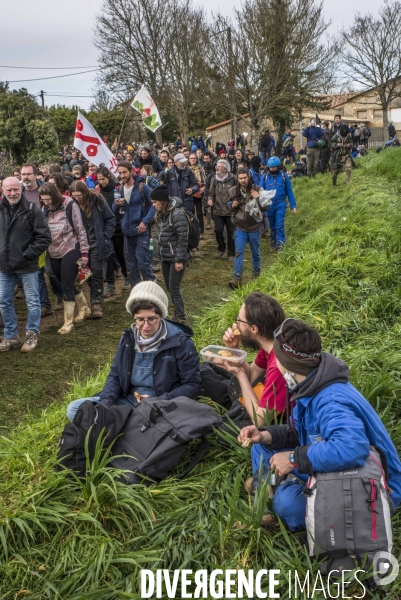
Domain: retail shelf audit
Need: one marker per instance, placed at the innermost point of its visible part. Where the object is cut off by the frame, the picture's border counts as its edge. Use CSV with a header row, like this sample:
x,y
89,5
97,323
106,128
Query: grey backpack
x,y
156,436
348,515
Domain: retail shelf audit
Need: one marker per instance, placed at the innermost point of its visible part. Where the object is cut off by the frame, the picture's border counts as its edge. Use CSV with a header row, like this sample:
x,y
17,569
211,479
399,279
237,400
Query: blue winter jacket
x,y
329,407
282,184
139,209
256,176
90,183
175,367
312,134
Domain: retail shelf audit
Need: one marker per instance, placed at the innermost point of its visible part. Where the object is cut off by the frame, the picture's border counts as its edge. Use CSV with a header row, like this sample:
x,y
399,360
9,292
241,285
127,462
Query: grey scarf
x,y
161,332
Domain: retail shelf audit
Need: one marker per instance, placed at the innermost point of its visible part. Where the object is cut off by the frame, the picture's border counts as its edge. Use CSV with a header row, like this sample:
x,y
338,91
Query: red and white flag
x,y
87,141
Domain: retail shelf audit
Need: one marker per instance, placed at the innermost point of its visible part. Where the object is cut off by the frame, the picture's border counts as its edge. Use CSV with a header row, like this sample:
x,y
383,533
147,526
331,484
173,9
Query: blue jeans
x,y
30,284
289,504
241,238
75,404
276,216
138,258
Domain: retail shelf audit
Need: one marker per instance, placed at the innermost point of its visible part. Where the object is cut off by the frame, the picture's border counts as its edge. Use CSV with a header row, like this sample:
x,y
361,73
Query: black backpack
x,y
90,418
156,436
193,226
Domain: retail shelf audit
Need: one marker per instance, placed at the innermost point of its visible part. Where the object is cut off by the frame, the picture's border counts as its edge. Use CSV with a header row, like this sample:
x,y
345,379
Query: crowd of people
x,y
77,222
74,219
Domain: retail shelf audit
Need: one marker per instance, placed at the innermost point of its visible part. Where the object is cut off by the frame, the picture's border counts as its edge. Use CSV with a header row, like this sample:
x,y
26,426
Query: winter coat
x,y
138,210
108,194
176,366
240,217
328,406
152,160
335,129
64,236
256,176
24,236
174,189
282,184
338,151
312,134
219,194
104,225
267,141
173,238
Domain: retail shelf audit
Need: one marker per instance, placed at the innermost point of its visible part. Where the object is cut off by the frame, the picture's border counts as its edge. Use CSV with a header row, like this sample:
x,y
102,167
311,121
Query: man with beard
x,y
258,318
341,157
146,157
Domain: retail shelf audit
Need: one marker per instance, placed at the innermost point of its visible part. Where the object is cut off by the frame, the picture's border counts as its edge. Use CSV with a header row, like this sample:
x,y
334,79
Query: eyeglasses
x,y
141,320
238,320
288,349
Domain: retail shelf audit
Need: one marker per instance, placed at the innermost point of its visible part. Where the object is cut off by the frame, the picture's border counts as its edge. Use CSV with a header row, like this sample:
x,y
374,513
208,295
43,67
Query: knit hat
x,y
150,291
256,161
222,152
180,158
160,193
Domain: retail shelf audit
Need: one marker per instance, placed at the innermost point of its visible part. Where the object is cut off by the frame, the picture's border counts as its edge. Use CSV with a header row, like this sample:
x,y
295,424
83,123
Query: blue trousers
x,y
241,239
289,503
30,284
75,404
276,216
138,259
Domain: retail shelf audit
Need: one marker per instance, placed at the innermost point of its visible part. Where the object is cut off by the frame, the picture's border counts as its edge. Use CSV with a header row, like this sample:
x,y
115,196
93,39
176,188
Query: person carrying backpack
x,y
365,135
332,433
69,244
173,245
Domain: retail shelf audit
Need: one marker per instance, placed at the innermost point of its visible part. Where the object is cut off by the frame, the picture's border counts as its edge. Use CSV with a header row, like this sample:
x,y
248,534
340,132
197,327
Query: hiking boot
x,y
219,254
118,274
97,311
9,343
20,294
273,249
334,180
231,258
83,308
235,283
156,268
59,304
208,226
255,274
45,311
347,176
265,234
126,285
201,237
68,325
110,290
31,341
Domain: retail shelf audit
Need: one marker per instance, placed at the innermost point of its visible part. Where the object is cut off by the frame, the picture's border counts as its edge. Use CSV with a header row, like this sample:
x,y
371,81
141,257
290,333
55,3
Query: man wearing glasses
x,y
155,357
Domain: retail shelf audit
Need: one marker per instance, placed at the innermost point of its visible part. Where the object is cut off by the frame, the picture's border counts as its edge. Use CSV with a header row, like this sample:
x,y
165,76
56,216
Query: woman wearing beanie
x,y
173,245
155,357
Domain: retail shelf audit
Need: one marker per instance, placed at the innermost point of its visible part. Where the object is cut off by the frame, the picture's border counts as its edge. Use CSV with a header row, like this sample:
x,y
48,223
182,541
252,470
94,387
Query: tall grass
x,y
62,538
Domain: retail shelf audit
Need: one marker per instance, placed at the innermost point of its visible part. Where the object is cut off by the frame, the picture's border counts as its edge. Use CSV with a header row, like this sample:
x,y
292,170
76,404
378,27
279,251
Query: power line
x,y
48,68
54,76
66,96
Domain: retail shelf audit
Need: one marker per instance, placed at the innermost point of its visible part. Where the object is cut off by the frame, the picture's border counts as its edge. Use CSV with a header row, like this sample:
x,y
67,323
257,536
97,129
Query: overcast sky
x,y
55,33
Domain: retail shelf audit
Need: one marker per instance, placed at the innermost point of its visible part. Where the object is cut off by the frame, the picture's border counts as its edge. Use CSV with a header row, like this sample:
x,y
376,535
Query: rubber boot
x,y
347,176
334,179
83,309
68,325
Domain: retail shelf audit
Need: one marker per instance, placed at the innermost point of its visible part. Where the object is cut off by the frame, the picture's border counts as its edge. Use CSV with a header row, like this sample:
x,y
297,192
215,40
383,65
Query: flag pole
x,y
122,127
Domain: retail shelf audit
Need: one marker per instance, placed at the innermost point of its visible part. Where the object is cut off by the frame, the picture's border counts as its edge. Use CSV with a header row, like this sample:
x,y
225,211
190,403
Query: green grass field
x,y
340,272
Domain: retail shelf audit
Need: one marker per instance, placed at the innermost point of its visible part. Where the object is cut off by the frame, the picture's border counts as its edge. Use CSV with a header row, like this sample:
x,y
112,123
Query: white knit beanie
x,y
150,291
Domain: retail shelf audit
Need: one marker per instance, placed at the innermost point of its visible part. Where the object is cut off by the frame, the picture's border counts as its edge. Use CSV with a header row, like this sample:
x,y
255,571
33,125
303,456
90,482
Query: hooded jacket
x,y
108,194
176,369
138,210
330,408
104,223
218,193
24,236
173,238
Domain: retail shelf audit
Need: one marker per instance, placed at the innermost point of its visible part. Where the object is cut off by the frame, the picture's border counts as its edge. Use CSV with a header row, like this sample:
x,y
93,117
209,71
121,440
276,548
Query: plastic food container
x,y
211,354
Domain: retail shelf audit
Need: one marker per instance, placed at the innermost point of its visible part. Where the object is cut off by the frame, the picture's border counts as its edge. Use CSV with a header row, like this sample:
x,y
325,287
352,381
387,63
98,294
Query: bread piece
x,y
225,353
236,332
246,443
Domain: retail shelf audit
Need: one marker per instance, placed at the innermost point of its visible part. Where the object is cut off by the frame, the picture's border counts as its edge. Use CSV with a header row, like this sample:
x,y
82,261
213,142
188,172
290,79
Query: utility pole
x,y
233,108
42,95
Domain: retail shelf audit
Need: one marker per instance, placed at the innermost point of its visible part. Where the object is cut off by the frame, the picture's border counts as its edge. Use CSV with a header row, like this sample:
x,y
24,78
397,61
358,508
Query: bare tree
x,y
371,53
281,60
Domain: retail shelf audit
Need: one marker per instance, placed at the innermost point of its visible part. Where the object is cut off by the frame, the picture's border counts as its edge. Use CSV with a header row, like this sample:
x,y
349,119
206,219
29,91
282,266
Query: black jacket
x,y
173,239
24,236
188,180
104,223
108,194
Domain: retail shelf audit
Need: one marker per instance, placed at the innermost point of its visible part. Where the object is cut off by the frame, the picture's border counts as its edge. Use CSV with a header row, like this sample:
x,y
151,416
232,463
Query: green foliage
x,y
23,125
61,538
64,119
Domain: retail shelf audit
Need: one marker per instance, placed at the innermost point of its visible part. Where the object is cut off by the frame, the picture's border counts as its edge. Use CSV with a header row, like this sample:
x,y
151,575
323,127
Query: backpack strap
x,y
203,448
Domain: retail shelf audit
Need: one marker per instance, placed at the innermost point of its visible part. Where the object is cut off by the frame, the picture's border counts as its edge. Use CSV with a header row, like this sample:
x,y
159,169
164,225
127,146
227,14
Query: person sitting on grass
x,y
257,320
155,357
330,428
